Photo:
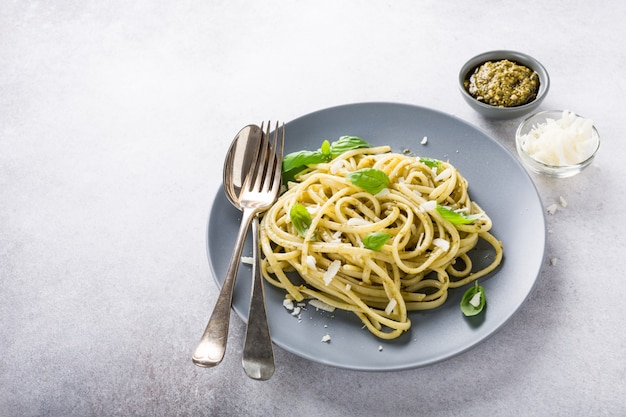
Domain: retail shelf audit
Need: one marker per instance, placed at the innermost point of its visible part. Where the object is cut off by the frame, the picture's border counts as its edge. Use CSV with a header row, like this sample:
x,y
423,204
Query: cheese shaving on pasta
x,y
424,257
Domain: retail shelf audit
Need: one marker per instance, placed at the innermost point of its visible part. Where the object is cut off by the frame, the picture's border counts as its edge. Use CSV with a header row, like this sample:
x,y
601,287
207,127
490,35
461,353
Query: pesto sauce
x,y
503,84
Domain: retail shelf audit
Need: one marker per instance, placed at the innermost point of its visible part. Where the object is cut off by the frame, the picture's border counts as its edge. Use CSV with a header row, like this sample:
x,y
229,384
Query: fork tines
x,y
277,146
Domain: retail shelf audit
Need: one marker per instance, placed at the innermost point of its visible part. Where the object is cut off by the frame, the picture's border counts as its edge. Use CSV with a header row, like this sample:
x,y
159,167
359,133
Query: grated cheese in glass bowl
x,y
557,143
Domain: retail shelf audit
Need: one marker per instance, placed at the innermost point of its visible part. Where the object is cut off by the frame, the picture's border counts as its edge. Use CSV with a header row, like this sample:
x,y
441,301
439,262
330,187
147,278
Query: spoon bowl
x,y
238,161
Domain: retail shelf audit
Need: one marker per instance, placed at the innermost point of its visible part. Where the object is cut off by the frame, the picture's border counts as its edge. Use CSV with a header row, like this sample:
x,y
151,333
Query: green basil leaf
x,y
376,240
290,176
370,179
430,162
300,218
296,162
455,217
326,149
474,300
347,143
302,158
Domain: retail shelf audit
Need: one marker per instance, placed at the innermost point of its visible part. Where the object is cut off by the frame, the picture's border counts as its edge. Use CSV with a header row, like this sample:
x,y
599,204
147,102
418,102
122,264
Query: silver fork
x,y
258,192
258,354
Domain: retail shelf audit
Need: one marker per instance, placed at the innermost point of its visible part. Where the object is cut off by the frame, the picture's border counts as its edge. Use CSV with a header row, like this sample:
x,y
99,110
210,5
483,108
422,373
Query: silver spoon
x,y
236,166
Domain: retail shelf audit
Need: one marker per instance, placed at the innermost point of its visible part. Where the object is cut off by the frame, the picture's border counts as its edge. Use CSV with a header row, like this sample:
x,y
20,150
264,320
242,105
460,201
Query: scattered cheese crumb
x,y
296,311
553,261
420,240
355,221
475,300
446,173
326,338
320,305
310,262
383,193
429,205
390,306
331,272
442,243
247,260
424,140
348,287
288,304
563,201
380,348
551,208
336,166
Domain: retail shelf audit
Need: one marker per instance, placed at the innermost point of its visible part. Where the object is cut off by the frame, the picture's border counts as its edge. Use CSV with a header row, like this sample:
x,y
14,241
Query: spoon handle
x,y
258,354
212,346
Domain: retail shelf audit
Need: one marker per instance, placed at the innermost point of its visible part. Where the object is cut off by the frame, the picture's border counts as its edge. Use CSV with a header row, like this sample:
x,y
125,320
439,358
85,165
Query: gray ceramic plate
x,y
498,183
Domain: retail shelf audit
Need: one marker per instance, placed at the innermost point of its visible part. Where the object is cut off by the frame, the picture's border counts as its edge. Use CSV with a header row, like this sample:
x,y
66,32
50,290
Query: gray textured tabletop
x,y
115,118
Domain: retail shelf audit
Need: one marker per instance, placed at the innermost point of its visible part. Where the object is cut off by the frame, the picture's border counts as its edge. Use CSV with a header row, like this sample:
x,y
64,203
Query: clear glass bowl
x,y
557,171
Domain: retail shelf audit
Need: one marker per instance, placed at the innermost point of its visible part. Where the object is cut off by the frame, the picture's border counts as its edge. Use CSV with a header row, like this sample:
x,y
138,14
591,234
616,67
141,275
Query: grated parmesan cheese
x,y
310,262
420,240
355,221
424,140
475,300
320,305
442,244
288,304
383,193
326,338
331,272
566,141
445,174
247,260
551,208
562,201
390,306
336,166
429,205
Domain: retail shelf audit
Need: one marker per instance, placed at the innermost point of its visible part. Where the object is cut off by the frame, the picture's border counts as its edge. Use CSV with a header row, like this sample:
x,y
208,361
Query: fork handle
x,y
212,346
258,353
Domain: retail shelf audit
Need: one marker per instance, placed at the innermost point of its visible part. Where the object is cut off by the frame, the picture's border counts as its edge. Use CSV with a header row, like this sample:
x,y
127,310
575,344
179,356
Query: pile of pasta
x,y
424,257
